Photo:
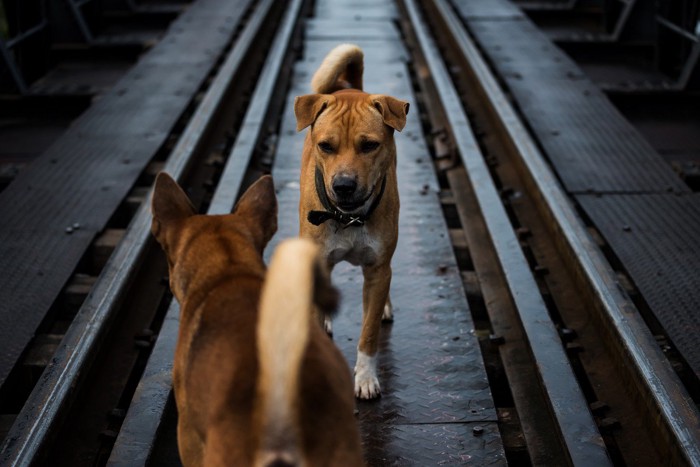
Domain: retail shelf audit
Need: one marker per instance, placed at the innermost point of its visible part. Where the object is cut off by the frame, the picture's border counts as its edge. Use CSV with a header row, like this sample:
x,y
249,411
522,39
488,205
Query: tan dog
x,y
349,196
251,388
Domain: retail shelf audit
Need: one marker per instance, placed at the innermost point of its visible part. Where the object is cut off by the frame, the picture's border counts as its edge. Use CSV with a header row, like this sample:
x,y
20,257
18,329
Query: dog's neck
x,y
332,212
196,280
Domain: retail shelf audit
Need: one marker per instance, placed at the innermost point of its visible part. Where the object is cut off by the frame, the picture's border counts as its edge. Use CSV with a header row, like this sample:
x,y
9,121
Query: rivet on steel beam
x,y
496,339
216,159
142,344
608,424
117,414
144,334
541,270
438,133
599,407
677,366
478,431
506,191
567,334
108,434
523,233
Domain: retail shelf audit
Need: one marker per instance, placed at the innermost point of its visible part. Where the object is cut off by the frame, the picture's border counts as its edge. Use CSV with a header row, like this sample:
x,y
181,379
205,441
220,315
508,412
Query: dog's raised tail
x,y
296,280
342,68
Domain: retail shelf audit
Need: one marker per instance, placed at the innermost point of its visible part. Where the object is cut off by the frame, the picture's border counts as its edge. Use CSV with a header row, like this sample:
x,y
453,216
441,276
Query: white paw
x,y
328,325
388,314
366,381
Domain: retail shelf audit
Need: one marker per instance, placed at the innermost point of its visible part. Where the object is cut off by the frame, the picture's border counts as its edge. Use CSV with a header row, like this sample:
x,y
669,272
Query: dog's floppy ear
x,y
169,203
393,110
307,108
258,209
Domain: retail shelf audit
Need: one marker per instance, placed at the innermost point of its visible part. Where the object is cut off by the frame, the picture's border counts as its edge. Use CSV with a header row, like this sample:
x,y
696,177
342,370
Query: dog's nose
x,y
344,186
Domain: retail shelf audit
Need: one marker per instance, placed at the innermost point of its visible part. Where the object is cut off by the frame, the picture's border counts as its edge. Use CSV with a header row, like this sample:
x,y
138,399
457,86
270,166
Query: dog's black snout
x,y
344,186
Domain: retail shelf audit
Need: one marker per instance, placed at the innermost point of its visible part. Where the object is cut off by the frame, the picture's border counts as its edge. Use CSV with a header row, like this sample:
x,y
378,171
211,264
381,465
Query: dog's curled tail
x,y
296,280
342,68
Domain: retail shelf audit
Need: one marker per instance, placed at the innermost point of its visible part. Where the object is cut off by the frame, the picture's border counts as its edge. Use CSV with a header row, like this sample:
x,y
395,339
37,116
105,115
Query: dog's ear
x,y
393,110
307,108
258,209
169,204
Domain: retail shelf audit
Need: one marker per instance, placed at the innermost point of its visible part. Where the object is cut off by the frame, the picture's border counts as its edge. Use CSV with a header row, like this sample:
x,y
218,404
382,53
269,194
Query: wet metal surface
x,y
566,400
591,145
594,149
663,243
663,263
86,173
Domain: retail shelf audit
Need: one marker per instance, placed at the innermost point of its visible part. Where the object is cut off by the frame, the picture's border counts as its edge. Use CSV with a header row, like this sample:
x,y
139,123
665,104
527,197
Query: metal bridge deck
x,y
78,183
618,178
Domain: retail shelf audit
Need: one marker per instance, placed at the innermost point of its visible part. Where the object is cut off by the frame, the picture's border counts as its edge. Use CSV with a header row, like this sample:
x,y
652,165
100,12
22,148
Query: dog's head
x,y
199,246
352,140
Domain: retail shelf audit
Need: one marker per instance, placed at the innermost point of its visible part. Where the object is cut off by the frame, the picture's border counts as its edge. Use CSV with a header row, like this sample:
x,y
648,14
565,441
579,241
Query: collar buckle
x,y
354,221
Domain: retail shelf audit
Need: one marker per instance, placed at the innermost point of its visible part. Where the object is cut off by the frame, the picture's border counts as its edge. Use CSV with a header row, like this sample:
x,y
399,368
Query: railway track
x,y
514,341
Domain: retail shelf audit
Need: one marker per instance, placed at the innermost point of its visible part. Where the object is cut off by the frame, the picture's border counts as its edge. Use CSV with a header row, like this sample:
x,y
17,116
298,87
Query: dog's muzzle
x,y
342,212
346,195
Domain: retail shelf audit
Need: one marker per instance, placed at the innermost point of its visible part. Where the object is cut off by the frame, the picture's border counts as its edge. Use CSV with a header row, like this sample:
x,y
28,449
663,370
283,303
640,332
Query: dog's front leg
x,y
325,318
388,315
374,298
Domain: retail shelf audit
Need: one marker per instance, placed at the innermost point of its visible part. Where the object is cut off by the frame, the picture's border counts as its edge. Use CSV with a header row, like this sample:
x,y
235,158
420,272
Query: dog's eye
x,y
368,146
325,147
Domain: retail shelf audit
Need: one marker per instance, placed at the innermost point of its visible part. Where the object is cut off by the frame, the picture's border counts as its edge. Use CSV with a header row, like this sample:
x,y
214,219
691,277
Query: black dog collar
x,y
331,212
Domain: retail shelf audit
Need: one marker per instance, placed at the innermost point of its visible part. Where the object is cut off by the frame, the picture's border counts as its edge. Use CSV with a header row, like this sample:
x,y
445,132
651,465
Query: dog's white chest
x,y
353,245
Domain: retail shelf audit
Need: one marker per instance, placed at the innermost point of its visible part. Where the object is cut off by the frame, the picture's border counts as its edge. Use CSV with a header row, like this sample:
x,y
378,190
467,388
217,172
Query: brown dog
x,y
251,388
349,196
